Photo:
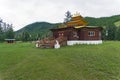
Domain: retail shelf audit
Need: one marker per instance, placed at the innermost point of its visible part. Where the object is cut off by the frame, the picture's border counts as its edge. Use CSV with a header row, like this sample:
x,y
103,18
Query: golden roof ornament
x,y
76,14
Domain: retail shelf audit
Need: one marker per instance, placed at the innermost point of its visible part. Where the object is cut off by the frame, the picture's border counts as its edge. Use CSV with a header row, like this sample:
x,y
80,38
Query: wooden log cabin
x,y
77,32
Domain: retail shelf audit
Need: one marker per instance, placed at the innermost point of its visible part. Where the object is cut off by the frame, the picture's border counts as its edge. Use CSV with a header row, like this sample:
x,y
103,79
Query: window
x,y
61,33
91,33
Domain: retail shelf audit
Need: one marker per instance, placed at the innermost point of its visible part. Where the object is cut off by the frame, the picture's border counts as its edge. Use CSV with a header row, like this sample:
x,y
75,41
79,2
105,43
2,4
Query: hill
x,y
22,61
103,21
37,27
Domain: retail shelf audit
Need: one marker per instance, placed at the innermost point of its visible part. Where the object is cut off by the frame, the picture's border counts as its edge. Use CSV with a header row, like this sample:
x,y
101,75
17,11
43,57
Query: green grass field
x,y
22,61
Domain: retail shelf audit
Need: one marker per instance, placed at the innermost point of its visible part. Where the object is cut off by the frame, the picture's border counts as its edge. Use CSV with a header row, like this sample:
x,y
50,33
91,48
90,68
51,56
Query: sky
x,y
23,12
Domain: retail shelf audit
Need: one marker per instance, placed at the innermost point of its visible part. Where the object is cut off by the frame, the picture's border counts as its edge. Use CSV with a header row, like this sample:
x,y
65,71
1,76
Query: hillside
x,y
22,61
43,27
103,21
37,27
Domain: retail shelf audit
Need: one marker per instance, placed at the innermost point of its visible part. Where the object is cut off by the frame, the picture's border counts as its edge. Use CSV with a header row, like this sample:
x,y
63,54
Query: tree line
x,y
108,33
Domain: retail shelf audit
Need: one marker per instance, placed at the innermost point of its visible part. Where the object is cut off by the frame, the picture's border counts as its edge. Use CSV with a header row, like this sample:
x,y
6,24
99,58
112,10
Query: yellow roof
x,y
79,26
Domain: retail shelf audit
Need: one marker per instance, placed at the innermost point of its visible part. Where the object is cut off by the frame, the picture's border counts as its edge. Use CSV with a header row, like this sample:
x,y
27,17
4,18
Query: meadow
x,y
23,61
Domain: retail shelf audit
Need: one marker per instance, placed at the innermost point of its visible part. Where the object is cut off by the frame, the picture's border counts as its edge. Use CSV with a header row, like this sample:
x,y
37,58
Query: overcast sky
x,y
23,12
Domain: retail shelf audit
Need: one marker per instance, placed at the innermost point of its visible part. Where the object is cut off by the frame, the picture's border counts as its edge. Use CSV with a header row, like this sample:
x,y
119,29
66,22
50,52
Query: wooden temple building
x,y
75,31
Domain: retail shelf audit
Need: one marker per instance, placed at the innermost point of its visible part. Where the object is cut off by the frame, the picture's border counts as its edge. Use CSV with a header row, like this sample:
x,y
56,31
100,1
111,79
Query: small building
x,y
10,40
77,32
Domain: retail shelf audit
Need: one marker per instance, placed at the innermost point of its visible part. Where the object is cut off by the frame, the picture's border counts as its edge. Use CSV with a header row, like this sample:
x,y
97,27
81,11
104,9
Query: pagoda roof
x,y
77,23
76,20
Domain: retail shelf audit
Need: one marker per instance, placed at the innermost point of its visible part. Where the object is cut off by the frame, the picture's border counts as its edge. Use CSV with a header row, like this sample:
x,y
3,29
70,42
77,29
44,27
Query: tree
x,y
68,16
38,36
25,36
10,33
1,34
117,36
111,32
104,34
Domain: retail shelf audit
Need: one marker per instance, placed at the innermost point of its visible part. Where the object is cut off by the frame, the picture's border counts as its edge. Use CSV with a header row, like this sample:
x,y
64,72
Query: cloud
x,y
23,12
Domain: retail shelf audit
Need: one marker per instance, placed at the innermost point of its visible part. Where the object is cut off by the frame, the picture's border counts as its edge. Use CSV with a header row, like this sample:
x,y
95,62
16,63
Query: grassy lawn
x,y
22,61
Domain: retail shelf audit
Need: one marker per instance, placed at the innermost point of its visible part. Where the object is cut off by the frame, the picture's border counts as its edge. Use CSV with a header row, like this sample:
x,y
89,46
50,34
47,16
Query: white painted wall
x,y
73,42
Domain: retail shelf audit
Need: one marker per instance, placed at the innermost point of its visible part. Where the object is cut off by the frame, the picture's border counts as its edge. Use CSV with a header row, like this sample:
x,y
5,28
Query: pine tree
x,y
10,33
